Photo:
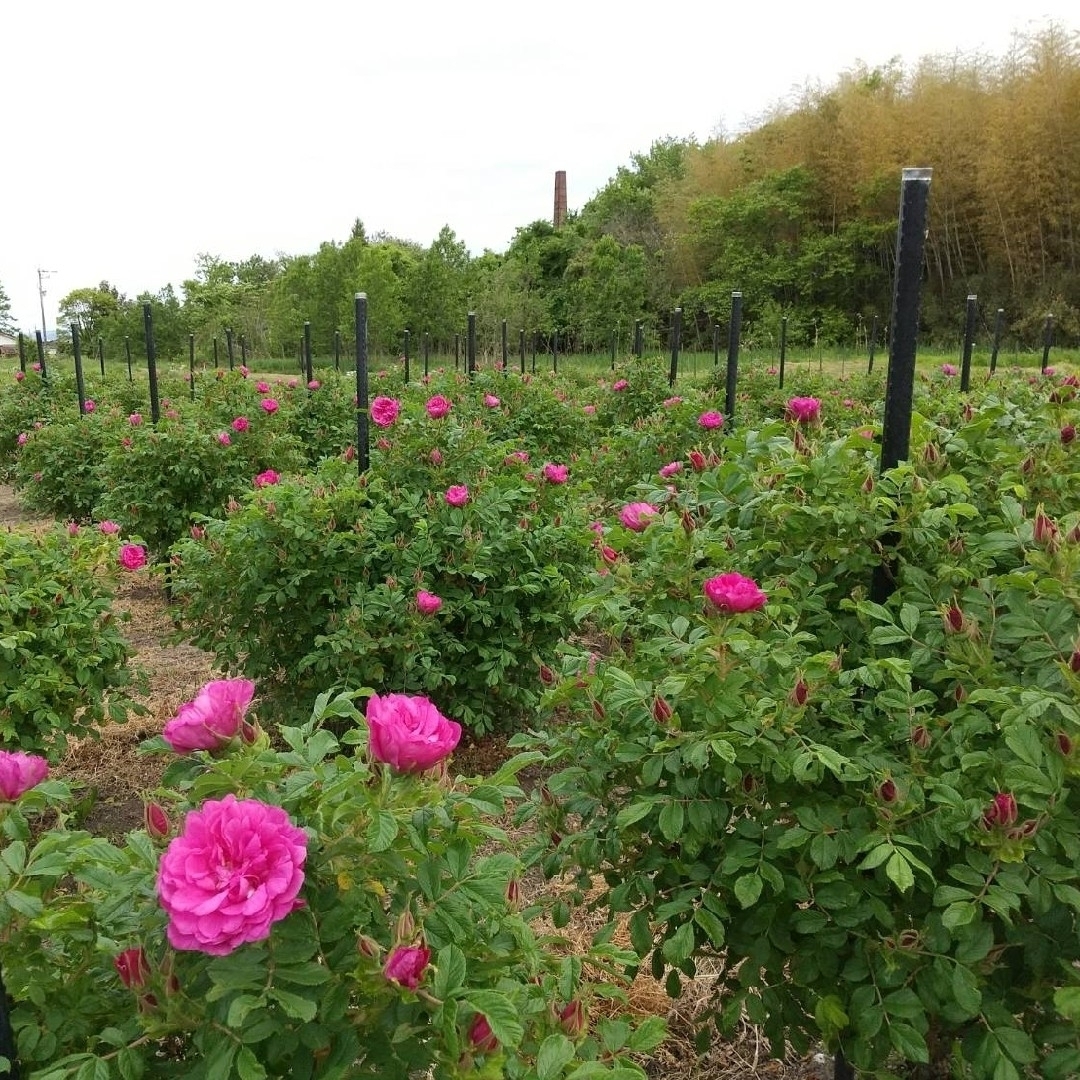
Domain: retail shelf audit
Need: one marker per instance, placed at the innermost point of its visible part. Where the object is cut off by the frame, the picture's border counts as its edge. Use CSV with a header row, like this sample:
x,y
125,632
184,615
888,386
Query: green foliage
x,y
58,470
63,658
391,861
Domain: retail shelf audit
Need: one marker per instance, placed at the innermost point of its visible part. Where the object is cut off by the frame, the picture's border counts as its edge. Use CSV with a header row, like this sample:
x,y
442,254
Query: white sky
x,y
138,133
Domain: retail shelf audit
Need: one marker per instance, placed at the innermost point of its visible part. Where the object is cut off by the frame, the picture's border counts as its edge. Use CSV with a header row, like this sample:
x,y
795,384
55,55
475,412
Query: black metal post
x,y
470,346
842,1070
309,374
535,344
873,346
80,387
676,337
1048,340
427,353
716,344
41,354
505,353
228,346
639,337
363,451
457,351
999,322
733,335
783,348
521,349
405,354
22,353
191,364
151,361
215,354
555,352
614,346
127,353
969,342
903,344
101,356
337,350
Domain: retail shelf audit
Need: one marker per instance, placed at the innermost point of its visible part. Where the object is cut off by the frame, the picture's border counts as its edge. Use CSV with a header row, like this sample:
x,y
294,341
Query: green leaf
x,y
449,971
381,831
648,1035
898,871
634,812
641,935
748,889
965,990
672,820
294,1005
556,1052
712,926
24,903
909,1042
909,618
248,1066
959,914
500,1013
1067,1002
680,946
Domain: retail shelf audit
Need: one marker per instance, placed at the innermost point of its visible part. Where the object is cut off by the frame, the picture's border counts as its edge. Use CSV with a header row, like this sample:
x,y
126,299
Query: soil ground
x,y
120,778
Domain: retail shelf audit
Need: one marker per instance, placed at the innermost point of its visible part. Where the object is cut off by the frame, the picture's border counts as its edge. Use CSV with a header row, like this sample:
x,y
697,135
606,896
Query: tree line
x,y
798,213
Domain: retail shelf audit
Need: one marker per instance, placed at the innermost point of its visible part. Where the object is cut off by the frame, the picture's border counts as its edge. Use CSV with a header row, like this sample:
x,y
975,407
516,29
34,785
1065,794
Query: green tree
x,y
7,324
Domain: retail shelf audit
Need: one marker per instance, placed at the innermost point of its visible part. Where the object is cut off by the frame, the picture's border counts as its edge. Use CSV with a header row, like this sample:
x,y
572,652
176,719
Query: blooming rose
x,y
408,733
481,1037
89,405
23,438
241,423
734,593
212,719
588,410
109,528
132,556
292,384
556,474
710,420
636,516
20,772
35,366
314,384
233,871
427,603
262,387
491,401
457,495
619,385
406,965
948,369
223,438
268,405
266,479
20,375
435,457
384,411
670,469
135,419
437,407
245,371
804,410
73,528
132,967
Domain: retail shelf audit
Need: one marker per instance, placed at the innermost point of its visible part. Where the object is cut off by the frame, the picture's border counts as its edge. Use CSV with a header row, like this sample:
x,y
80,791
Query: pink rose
x,y
804,410
23,438
73,528
435,457
262,388
212,719
734,593
427,603
266,479
636,516
384,411
670,469
406,965
35,366
135,419
1001,811
20,375
556,474
588,410
245,371
223,438
711,420
620,385
20,772
671,402
948,369
241,423
314,384
408,733
437,407
292,384
109,528
132,556
268,405
235,869
457,495
89,405
491,401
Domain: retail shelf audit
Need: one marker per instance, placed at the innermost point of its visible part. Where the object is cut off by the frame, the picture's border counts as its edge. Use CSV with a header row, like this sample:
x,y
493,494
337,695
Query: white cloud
x,y
144,133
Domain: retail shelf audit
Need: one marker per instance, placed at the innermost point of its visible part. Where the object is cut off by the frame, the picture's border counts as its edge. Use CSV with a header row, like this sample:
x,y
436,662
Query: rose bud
x,y
1045,532
1074,534
132,967
887,792
1068,434
661,710
687,521
156,821
909,939
1074,661
931,455
954,620
572,1018
248,732
598,709
868,484
405,929
480,1035
1064,743
799,693
959,693
748,783
1027,465
369,947
1001,811
609,555
697,460
513,894
547,676
198,532
957,546
967,412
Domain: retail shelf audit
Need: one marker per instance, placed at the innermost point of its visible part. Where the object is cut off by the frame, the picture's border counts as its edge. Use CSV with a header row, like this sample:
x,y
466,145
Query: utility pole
x,y
41,275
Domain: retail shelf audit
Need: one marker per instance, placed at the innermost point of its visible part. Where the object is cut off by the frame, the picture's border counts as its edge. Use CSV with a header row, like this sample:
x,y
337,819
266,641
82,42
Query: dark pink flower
x,y
262,388
437,407
234,871
384,411
457,495
132,556
266,479
481,1038
948,370
406,965
619,385
109,528
556,474
241,423
89,405
224,439
314,384
637,516
19,772
427,603
670,469
711,420
408,732
20,375
1068,434
734,593
491,401
132,967
212,719
135,419
269,405
804,410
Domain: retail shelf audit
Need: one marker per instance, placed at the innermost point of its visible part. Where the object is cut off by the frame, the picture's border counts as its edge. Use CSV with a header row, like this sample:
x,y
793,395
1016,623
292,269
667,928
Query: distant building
x,y
9,344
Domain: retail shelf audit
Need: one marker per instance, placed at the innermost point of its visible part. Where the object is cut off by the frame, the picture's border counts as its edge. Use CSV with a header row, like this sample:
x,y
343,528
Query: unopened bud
x,y
598,709
957,545
959,693
1001,811
967,412
248,732
748,784
547,676
1068,434
1074,661
1064,744
661,710
609,555
931,454
868,483
799,693
954,620
920,737
887,792
1074,534
156,821
513,894
481,1037
369,947
697,460
405,928
909,939
572,1018
198,532
687,521
132,967
1045,532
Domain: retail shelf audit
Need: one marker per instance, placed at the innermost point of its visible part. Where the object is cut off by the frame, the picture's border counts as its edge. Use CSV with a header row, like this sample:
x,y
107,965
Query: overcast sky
x,y
138,133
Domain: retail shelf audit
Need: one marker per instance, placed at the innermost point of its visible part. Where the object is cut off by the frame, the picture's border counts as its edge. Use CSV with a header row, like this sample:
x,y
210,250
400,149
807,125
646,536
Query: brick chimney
x,y
560,198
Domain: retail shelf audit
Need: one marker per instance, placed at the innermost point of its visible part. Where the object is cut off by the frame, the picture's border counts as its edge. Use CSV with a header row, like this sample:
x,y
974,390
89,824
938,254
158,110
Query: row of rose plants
x,y
302,907
858,815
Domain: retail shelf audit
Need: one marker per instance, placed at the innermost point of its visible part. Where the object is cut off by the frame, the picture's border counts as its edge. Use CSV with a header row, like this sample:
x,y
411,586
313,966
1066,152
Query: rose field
x,y
588,734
